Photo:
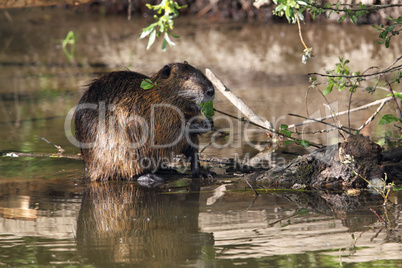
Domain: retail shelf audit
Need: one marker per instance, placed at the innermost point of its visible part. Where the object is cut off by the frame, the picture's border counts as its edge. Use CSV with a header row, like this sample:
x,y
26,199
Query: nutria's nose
x,y
210,92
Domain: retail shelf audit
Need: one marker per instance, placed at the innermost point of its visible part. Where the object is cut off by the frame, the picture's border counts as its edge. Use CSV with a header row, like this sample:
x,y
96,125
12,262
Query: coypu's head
x,y
186,81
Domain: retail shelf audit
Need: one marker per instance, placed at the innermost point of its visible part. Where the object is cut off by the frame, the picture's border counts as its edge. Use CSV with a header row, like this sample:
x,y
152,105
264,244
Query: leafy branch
x,y
350,7
387,32
167,10
354,12
342,78
293,11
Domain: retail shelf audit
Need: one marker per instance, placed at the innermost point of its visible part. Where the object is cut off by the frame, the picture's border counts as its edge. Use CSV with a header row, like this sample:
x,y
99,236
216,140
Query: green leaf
x,y
301,17
328,89
147,84
303,143
387,42
388,118
342,18
152,37
164,45
280,8
287,13
208,109
69,45
287,142
397,94
302,3
174,35
146,31
286,132
70,39
170,42
283,129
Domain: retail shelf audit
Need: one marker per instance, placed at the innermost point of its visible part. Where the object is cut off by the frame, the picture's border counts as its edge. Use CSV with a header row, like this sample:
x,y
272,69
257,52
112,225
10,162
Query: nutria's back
x,y
125,130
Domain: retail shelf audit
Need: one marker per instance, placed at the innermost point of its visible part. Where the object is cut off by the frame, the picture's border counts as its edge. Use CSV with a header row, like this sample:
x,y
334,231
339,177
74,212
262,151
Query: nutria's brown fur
x,y
126,130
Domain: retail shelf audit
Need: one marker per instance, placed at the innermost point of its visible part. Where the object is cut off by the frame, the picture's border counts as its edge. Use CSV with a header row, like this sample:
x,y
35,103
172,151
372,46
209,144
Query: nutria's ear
x,y
166,71
185,62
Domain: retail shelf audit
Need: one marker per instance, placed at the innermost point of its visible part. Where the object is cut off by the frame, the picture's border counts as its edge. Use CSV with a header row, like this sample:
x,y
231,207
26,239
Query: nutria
x,y
125,130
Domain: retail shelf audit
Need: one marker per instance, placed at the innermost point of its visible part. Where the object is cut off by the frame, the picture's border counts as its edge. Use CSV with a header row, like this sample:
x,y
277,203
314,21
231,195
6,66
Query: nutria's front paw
x,y
208,124
203,126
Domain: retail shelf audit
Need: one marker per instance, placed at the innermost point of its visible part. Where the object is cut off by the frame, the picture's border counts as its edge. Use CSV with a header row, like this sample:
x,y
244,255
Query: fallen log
x,y
351,164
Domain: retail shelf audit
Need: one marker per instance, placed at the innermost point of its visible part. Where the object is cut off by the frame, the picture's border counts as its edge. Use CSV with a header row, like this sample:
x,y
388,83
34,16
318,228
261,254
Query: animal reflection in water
x,y
120,222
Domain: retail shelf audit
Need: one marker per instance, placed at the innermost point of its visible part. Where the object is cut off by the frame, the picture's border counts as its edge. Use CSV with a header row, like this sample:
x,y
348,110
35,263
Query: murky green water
x,y
59,221
50,217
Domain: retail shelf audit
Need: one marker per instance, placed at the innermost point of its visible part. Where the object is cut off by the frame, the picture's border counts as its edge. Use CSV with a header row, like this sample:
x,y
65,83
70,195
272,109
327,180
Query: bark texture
x,y
338,166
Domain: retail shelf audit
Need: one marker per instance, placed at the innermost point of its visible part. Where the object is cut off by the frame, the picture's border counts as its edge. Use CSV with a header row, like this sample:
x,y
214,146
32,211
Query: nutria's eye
x,y
185,78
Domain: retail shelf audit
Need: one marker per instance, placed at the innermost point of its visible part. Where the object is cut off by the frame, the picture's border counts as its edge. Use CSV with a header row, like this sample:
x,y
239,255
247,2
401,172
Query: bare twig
x,y
300,33
350,103
322,122
372,116
376,234
337,122
392,64
316,131
379,217
333,114
59,149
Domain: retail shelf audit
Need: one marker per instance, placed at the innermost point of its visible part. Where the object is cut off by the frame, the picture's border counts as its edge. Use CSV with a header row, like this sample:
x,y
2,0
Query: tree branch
x,y
374,103
369,7
372,116
236,101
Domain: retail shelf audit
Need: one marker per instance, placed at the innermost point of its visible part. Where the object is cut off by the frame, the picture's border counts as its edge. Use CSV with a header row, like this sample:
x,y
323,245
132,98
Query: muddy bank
x,y
240,10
